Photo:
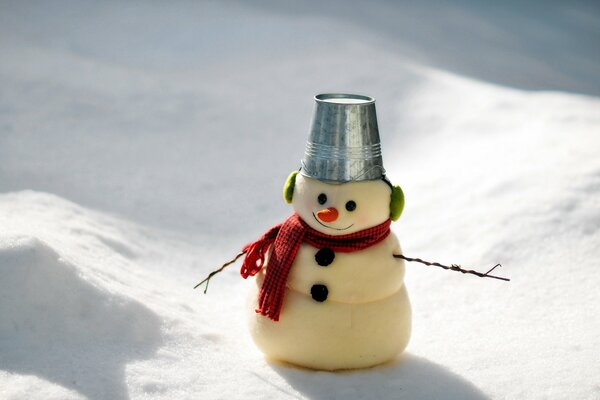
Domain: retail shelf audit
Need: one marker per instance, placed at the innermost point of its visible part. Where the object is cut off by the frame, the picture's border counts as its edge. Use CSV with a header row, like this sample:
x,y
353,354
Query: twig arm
x,y
456,267
228,263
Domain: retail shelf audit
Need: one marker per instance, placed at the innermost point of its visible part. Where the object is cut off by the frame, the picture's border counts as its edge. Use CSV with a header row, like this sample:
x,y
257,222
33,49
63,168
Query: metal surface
x,y
343,144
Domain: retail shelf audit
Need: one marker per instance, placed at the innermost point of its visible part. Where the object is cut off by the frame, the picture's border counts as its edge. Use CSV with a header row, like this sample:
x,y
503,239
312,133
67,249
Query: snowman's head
x,y
343,208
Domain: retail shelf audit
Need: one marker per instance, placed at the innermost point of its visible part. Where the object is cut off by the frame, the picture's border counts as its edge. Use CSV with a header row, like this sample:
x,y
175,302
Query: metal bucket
x,y
343,145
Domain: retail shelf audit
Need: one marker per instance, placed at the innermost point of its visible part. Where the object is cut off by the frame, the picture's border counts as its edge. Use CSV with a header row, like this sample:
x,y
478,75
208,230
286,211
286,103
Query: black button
x,y
319,292
324,257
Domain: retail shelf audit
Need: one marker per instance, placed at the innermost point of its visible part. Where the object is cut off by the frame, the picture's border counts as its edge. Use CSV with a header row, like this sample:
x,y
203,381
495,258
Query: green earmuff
x,y
288,188
396,202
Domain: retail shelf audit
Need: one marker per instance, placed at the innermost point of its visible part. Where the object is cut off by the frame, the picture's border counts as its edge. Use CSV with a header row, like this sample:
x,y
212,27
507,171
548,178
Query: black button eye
x,y
351,205
322,198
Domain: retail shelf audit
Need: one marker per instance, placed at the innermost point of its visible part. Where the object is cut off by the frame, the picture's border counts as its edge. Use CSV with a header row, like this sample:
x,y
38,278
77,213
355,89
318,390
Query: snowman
x,y
328,293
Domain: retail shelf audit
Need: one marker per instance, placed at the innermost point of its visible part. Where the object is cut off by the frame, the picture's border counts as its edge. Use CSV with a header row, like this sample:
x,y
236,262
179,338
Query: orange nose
x,y
328,215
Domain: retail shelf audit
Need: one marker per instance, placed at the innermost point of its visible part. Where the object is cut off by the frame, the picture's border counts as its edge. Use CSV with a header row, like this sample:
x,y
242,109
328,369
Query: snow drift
x,y
59,327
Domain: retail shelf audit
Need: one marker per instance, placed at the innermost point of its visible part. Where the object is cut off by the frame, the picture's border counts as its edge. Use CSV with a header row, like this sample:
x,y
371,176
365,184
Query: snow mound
x,y
52,316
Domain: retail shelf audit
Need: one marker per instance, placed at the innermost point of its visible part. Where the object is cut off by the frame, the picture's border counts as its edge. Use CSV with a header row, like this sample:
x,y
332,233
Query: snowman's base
x,y
285,364
332,335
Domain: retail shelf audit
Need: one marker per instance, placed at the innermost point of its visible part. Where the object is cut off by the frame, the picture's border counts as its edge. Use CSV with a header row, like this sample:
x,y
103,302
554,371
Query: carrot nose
x,y
328,215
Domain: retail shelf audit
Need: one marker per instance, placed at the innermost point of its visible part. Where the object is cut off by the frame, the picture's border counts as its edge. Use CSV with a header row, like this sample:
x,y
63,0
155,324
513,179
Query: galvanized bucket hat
x,y
343,144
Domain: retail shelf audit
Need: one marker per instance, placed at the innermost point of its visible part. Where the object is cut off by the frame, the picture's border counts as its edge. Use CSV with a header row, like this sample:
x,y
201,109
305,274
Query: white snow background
x,y
142,144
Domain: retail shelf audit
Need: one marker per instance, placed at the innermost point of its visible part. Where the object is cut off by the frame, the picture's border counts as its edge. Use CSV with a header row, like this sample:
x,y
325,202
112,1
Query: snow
x,y
142,144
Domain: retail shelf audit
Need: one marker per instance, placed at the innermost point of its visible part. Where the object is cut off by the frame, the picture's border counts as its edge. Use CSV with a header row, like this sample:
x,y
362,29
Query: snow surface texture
x,y
142,144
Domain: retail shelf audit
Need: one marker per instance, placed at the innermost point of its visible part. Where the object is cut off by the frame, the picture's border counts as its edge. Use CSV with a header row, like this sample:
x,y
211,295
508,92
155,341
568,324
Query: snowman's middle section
x,y
357,277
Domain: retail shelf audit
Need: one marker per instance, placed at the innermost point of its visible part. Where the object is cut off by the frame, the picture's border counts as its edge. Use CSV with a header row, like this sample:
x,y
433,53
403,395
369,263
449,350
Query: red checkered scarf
x,y
286,239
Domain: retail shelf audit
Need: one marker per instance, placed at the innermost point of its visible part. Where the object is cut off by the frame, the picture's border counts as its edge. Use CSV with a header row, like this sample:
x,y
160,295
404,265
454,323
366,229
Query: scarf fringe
x,y
270,299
